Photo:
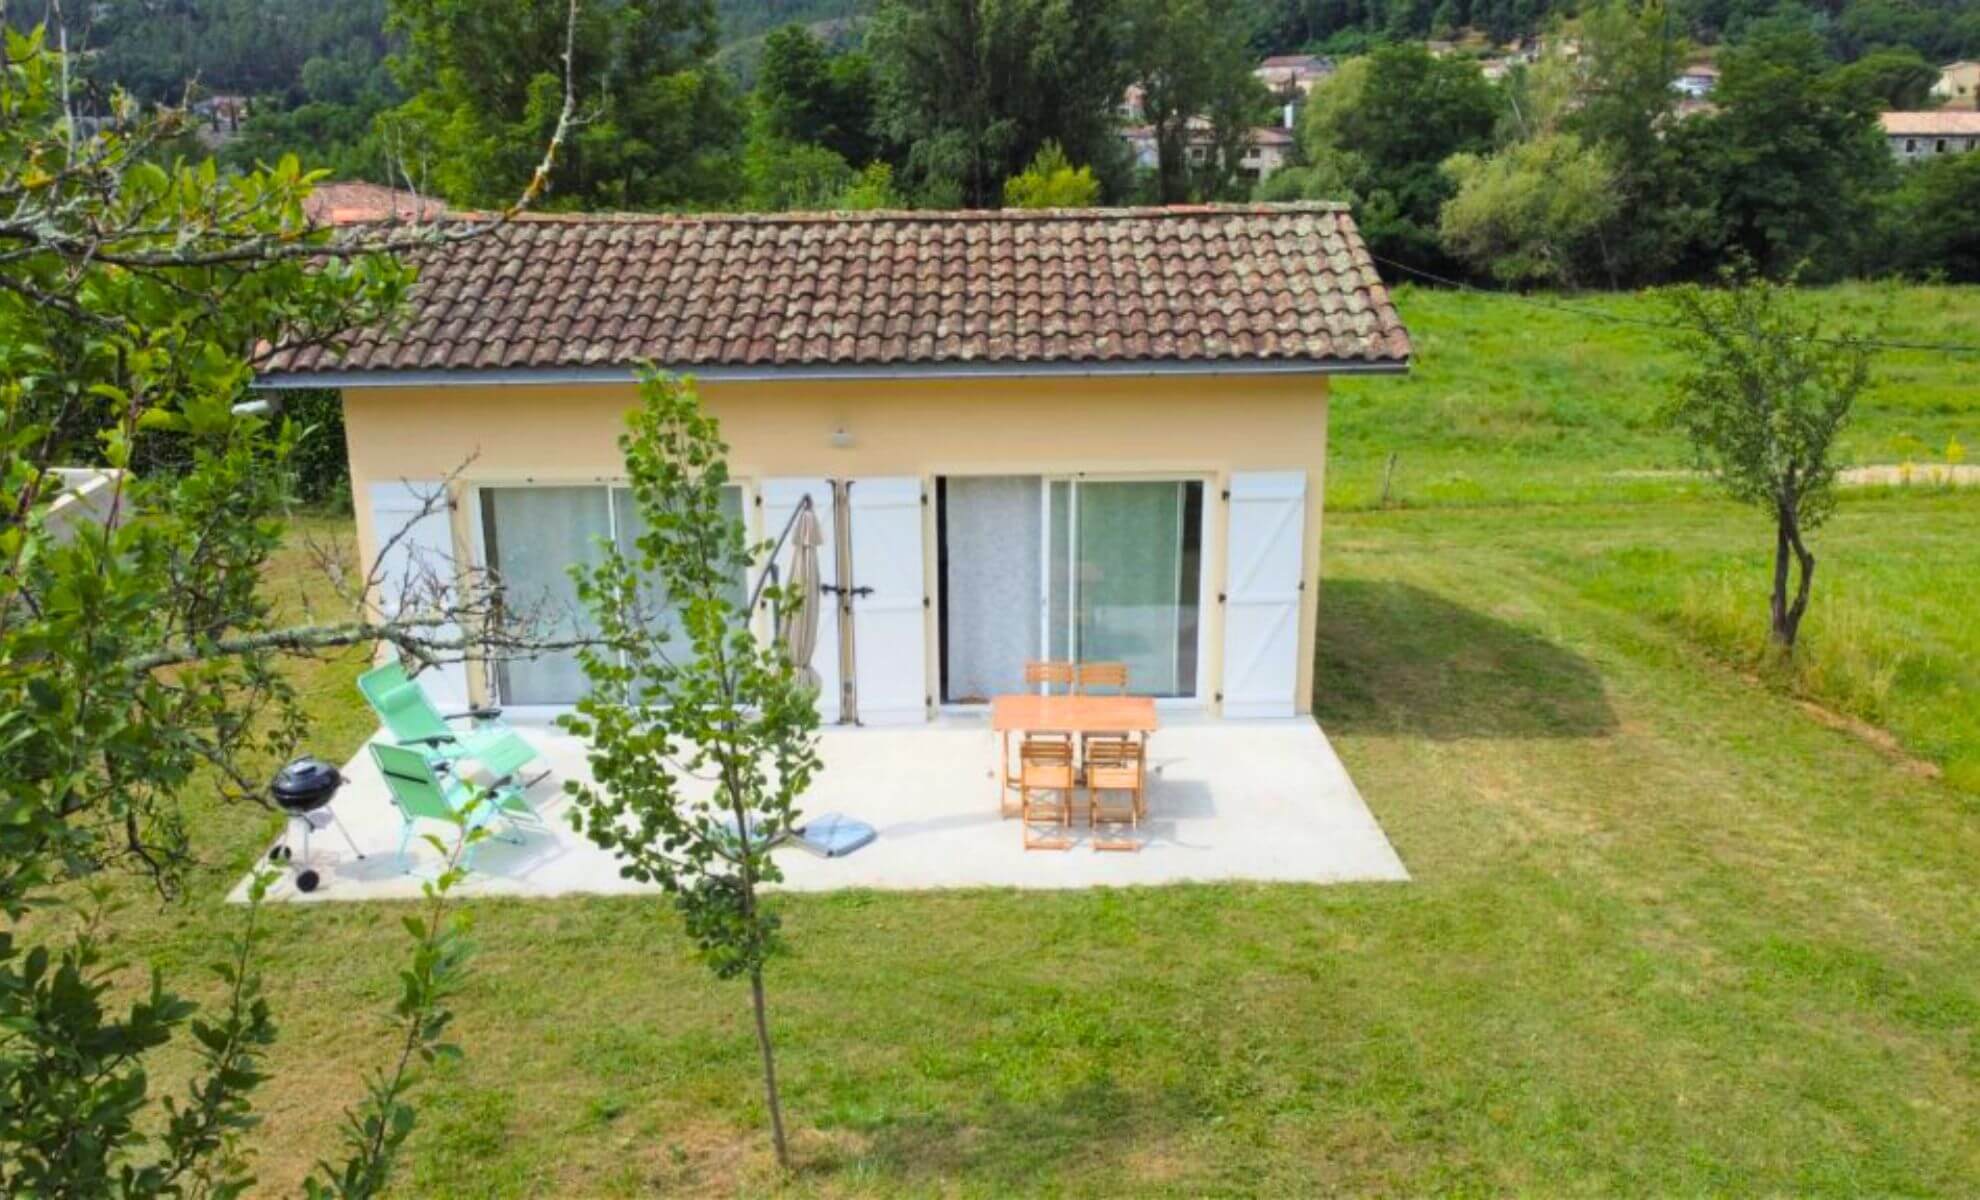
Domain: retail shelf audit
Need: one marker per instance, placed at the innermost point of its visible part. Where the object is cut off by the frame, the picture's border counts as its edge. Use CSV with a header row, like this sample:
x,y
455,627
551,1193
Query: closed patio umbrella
x,y
797,622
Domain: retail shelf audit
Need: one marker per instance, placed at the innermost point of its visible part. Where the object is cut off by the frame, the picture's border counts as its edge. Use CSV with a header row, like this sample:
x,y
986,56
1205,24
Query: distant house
x,y
1269,149
1293,76
222,112
1696,81
1959,85
1133,108
355,203
1916,135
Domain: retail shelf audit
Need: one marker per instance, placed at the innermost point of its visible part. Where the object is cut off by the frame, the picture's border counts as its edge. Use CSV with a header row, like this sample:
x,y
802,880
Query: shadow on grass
x,y
1394,658
1015,1146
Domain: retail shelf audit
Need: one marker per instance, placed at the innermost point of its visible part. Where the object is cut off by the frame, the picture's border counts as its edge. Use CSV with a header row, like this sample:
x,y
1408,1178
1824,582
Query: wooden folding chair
x,y
1013,773
1045,789
1050,674
1115,792
1092,677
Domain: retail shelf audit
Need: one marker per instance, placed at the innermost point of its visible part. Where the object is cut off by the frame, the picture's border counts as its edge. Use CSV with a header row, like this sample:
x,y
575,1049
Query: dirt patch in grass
x,y
1884,740
1912,475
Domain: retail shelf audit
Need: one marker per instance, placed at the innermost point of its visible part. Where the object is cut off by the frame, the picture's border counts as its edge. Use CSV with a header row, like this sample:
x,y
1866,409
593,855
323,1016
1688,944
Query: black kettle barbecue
x,y
304,790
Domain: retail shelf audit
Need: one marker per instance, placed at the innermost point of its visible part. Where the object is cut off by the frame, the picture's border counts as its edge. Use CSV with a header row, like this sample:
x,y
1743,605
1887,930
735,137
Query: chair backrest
x,y
403,707
1113,762
1112,748
1045,762
1051,674
1108,675
414,787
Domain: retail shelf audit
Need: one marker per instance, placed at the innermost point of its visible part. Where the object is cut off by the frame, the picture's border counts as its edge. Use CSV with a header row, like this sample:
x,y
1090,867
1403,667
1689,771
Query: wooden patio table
x,y
1030,713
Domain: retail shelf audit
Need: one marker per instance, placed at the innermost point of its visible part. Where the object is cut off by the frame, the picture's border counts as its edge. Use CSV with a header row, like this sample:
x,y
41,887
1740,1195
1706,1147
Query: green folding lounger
x,y
410,718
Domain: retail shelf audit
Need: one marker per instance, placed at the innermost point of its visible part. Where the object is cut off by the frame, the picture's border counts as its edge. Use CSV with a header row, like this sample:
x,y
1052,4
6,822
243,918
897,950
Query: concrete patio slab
x,y
1228,800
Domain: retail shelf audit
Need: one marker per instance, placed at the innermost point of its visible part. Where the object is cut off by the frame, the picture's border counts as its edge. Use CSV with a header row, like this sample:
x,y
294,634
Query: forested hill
x,y
744,20
1938,29
317,49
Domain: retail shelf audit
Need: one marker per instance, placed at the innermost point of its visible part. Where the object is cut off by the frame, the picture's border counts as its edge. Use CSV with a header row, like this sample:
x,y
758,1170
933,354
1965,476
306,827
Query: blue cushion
x,y
835,835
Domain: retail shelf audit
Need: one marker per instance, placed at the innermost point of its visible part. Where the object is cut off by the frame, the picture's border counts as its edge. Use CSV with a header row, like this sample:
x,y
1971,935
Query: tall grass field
x,y
1550,403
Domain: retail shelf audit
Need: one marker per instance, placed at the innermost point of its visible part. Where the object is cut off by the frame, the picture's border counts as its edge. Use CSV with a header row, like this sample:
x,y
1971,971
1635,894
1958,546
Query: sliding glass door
x,y
1070,569
533,536
1124,568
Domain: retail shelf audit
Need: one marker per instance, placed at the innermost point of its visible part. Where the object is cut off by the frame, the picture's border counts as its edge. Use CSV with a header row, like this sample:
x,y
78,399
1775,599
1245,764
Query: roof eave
x,y
523,376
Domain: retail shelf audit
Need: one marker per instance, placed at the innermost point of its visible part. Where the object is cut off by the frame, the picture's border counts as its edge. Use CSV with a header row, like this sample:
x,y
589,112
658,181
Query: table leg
x,y
1004,776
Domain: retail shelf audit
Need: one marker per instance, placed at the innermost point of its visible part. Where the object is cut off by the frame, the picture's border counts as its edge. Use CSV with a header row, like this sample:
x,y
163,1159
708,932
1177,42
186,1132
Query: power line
x,y
1651,322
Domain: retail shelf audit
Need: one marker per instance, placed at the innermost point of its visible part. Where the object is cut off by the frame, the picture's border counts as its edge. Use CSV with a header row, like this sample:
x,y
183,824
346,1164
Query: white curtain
x,y
533,536
993,526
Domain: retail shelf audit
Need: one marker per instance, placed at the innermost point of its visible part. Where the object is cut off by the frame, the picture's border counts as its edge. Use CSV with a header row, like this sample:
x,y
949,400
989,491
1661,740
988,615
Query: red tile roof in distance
x,y
352,203
1203,285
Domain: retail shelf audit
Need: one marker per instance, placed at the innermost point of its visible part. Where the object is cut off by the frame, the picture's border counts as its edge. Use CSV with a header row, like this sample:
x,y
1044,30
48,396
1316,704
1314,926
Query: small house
x,y
1916,135
1053,434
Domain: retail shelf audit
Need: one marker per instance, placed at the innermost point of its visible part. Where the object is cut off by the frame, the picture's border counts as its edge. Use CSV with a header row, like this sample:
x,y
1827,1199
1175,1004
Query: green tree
x,y
139,658
661,127
1377,134
720,706
1051,181
1198,92
1765,391
1888,79
1930,227
1623,104
871,189
971,89
1530,213
811,117
787,176
803,94
1793,162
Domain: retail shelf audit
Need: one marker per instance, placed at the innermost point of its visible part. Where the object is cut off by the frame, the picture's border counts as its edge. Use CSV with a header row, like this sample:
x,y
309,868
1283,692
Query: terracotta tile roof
x,y
1287,284
1935,123
351,203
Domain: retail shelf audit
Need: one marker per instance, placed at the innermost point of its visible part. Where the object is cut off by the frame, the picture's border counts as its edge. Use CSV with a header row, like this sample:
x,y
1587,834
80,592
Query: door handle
x,y
839,591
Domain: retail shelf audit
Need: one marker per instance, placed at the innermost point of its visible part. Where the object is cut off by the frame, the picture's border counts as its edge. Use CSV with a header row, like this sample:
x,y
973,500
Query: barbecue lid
x,y
306,777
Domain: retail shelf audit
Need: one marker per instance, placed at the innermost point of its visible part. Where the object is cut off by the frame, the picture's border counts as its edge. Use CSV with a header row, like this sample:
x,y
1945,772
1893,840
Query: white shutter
x,y
890,648
418,571
780,500
1266,556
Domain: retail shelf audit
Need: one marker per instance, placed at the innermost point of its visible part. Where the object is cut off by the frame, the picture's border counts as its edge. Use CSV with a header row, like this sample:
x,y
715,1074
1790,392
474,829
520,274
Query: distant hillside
x,y
745,23
748,20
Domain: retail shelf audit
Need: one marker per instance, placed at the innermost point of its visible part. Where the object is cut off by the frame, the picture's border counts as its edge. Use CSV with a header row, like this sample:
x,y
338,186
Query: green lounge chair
x,y
409,716
420,794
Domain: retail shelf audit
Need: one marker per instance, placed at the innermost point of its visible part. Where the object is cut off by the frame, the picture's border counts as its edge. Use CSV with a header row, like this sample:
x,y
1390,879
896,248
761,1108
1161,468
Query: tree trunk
x,y
1777,601
1787,545
769,1069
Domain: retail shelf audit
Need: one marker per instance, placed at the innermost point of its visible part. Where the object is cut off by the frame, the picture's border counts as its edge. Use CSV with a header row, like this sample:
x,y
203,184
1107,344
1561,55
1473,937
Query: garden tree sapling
x,y
702,737
1764,396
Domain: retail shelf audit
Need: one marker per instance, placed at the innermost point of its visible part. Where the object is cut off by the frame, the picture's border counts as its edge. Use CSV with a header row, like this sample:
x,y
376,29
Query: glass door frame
x,y
482,674
1209,559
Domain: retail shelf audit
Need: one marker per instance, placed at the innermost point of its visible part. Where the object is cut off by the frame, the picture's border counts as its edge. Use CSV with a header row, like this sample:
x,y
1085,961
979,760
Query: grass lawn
x,y
1512,402
1668,932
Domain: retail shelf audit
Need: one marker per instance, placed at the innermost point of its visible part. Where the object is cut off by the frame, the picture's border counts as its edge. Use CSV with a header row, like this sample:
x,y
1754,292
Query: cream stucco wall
x,y
1205,426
